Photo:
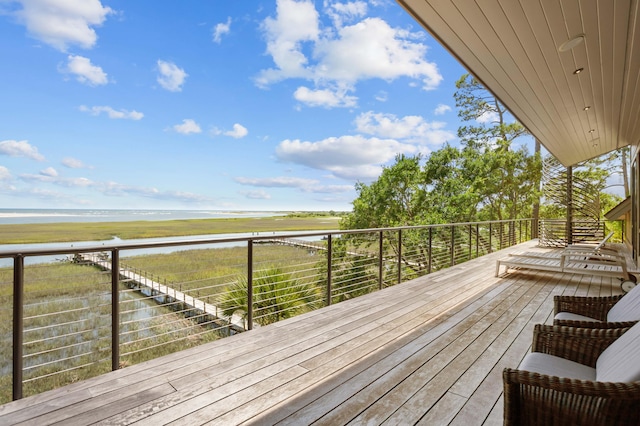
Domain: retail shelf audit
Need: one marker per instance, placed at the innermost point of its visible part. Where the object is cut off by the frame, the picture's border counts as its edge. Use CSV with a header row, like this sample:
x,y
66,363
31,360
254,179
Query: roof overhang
x,y
515,48
619,211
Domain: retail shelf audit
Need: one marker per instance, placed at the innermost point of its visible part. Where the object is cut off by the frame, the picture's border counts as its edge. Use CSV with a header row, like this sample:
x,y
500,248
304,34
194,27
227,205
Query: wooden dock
x,y
429,351
163,294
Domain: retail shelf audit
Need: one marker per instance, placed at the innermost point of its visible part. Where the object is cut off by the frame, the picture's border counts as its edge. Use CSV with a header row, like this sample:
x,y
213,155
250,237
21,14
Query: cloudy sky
x,y
191,104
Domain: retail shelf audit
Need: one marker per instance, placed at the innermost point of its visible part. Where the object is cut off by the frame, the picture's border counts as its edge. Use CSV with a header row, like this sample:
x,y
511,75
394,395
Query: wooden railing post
x,y
329,267
490,236
18,324
470,241
399,256
453,242
380,263
430,250
115,309
250,284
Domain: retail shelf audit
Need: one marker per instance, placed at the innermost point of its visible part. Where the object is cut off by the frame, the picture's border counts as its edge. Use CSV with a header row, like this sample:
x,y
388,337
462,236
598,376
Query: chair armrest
x,y
583,345
592,307
532,398
594,324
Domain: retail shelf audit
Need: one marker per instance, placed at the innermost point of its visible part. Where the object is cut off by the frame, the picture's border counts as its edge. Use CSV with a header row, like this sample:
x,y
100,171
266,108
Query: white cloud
x,y
277,182
112,113
373,49
256,195
488,117
79,182
5,175
347,157
305,185
74,163
171,76
85,71
61,23
412,128
187,127
296,22
330,189
442,109
349,11
324,97
111,188
14,148
382,96
239,131
340,56
221,29
49,171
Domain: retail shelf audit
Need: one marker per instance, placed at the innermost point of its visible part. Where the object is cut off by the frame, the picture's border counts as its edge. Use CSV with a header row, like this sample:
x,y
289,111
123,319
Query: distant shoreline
x,y
61,232
23,216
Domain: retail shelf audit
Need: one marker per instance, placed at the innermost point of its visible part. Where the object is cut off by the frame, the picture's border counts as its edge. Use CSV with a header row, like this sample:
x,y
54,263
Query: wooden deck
x,y
430,351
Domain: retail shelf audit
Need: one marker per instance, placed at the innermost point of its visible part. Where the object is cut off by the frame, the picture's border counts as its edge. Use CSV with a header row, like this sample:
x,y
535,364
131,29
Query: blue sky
x,y
230,105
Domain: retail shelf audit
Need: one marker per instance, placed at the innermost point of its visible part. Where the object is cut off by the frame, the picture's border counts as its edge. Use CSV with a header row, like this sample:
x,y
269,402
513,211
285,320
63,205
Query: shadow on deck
x,y
428,351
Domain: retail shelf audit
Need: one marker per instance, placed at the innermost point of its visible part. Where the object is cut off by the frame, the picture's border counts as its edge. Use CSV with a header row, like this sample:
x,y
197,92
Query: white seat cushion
x,y
627,308
620,362
550,365
573,317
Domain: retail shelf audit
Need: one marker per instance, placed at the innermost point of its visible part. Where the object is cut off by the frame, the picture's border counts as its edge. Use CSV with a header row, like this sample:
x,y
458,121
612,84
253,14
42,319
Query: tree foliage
x,y
485,178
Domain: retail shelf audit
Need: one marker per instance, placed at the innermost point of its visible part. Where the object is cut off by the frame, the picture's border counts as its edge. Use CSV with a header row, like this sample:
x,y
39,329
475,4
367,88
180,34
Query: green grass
x,y
99,231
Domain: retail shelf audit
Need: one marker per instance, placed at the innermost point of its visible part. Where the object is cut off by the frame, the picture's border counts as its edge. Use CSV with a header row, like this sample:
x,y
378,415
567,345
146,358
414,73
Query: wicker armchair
x,y
535,398
598,312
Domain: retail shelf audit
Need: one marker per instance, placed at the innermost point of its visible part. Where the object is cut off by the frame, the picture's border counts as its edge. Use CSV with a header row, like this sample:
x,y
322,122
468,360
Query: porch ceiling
x,y
513,47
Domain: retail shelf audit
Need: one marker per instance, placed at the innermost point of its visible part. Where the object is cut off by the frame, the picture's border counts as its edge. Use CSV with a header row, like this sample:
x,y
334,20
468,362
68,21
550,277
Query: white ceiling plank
x,y
512,47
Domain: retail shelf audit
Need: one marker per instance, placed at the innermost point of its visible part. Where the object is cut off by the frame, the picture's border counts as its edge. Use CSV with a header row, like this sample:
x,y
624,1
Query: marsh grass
x,y
99,231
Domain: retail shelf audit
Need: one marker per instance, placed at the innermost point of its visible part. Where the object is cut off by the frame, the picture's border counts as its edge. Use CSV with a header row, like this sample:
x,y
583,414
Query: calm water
x,y
21,216
15,216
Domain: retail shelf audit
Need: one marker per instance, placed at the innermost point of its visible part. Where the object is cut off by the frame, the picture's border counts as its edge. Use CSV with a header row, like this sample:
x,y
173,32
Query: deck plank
x,y
428,351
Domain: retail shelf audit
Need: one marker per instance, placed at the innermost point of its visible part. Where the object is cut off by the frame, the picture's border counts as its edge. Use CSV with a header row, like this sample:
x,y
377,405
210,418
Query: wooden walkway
x,y
165,293
430,351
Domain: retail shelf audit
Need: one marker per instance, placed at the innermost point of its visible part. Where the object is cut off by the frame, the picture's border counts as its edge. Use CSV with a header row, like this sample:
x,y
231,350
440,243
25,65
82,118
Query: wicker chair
x,y
576,376
598,312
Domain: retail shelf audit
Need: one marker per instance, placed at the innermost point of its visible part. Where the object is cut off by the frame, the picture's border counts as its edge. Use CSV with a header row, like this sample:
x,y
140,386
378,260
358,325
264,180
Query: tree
x,y
486,115
396,198
506,180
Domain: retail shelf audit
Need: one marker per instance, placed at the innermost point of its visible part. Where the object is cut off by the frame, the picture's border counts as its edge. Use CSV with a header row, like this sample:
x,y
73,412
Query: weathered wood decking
x,y
429,351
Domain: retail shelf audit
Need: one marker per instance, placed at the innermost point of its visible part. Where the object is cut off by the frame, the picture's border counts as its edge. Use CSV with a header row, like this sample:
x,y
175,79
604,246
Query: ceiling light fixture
x,y
571,43
578,71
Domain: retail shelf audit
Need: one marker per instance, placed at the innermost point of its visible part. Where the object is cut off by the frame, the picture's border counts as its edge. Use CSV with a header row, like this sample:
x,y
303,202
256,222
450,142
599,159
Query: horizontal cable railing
x,y
559,233
97,309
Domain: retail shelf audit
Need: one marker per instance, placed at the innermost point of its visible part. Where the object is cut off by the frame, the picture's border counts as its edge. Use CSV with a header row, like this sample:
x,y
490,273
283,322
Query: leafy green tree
x,y
396,198
505,179
277,295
